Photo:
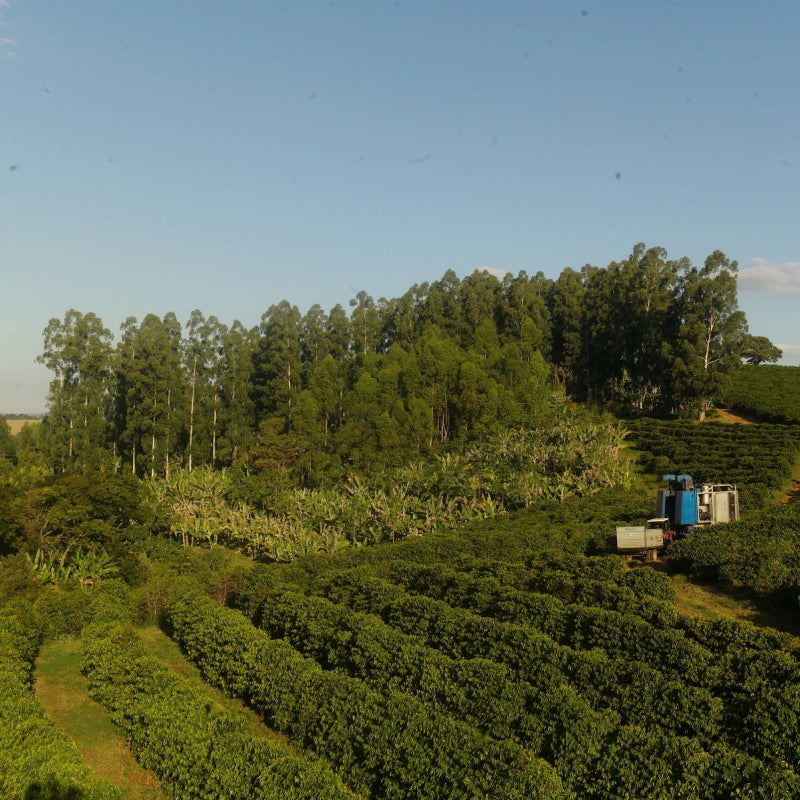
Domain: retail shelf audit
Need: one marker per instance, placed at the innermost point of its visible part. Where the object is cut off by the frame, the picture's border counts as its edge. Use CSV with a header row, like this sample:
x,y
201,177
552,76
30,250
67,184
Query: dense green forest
x,y
314,396
389,533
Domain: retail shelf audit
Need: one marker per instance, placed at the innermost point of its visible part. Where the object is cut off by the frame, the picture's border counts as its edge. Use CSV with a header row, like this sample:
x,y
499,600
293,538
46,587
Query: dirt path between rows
x,y
794,494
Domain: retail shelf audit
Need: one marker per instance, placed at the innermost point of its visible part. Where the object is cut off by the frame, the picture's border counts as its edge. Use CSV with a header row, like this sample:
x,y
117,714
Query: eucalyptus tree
x,y
394,395
482,301
480,400
438,356
326,387
401,320
317,406
365,324
476,399
340,347
340,334
202,354
211,405
307,438
604,331
626,307
709,331
314,339
236,420
153,392
358,439
278,370
651,279
525,378
442,306
525,317
566,305
78,350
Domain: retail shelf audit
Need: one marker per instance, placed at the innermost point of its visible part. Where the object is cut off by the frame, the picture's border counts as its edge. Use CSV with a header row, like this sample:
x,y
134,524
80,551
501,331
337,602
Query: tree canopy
x,y
311,395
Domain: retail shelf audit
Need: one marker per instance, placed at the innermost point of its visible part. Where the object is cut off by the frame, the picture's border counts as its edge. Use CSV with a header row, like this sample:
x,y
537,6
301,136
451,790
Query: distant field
x,y
17,425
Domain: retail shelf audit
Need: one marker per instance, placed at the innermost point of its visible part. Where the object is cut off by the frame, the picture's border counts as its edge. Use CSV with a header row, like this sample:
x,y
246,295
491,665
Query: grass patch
x,y
697,600
708,602
61,689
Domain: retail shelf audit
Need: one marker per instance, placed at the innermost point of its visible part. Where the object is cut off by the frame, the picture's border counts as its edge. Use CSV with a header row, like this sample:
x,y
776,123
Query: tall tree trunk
x,y
166,447
191,411
214,433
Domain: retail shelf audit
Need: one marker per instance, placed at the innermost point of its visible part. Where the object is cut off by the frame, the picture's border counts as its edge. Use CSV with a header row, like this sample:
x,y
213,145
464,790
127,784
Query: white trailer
x,y
642,540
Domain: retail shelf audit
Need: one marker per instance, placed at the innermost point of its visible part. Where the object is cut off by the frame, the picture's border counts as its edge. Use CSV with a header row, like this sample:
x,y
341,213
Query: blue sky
x,y
161,157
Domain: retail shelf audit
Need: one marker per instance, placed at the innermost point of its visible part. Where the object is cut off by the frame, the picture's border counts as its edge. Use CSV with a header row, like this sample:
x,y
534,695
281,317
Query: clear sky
x,y
166,156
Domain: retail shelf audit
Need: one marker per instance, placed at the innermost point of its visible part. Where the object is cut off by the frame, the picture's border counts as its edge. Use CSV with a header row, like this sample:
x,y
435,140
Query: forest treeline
x,y
316,396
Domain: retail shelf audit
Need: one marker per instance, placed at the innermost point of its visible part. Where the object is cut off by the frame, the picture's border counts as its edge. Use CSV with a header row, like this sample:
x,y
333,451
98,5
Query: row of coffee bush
x,y
198,748
37,759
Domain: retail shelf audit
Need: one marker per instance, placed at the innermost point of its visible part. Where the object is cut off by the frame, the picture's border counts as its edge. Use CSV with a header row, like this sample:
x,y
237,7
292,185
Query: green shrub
x,y
197,748
385,745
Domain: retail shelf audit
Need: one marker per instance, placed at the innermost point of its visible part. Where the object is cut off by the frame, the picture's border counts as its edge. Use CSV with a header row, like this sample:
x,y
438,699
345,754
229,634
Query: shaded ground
x,y
707,602
61,689
794,492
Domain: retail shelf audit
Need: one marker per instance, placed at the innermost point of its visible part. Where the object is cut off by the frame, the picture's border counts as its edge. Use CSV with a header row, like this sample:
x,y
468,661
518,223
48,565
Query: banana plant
x,y
49,569
90,567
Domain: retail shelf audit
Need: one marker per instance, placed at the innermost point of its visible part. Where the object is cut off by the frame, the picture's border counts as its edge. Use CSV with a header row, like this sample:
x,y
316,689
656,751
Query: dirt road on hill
x,y
731,416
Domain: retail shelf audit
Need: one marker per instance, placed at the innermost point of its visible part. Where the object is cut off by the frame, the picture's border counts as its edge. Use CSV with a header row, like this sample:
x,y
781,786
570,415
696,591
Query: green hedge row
x,y
594,755
759,459
480,692
601,581
37,760
717,656
385,745
734,637
199,749
758,553
762,542
769,391
638,692
555,723
577,625
535,568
